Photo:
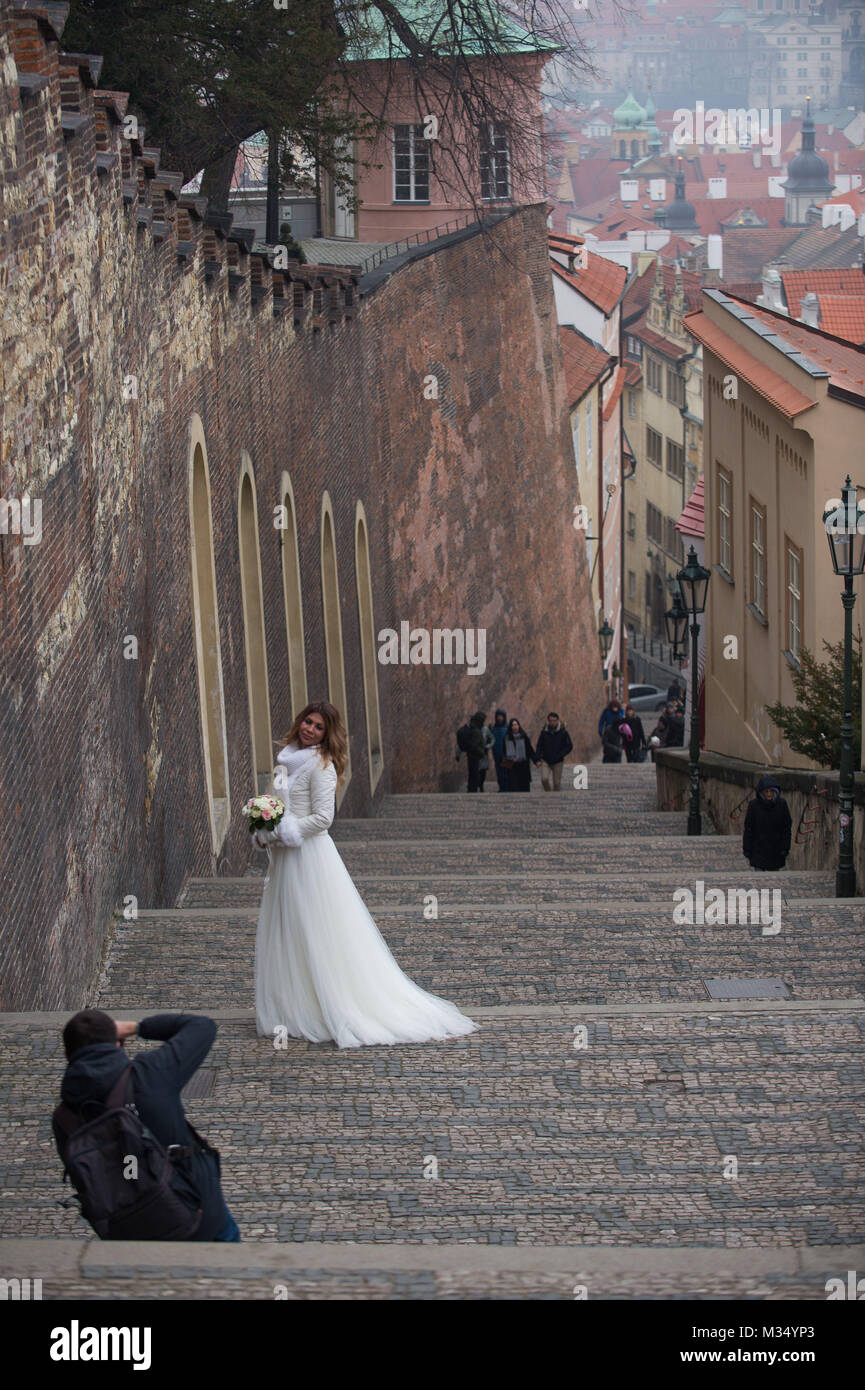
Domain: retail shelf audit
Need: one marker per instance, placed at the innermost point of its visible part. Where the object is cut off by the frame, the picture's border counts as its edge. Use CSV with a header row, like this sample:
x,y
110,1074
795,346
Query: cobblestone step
x,y
552,889
572,820
606,1110
491,958
621,1142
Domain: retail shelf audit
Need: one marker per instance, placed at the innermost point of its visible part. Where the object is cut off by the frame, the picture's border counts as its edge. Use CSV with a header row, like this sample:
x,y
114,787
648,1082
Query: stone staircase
x,y
580,1138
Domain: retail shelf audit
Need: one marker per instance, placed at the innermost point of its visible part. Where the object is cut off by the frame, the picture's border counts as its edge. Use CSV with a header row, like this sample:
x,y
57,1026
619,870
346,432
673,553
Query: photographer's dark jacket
x,y
158,1077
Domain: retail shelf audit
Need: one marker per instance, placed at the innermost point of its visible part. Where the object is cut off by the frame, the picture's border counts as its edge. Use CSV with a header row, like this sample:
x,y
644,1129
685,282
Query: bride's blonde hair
x,y
334,744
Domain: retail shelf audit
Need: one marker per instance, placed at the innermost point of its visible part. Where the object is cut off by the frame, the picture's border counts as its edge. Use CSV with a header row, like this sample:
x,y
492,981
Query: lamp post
x,y
694,586
605,637
847,548
676,621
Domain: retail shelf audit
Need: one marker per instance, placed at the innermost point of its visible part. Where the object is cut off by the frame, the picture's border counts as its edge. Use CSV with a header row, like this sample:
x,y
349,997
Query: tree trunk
x,y
216,180
271,234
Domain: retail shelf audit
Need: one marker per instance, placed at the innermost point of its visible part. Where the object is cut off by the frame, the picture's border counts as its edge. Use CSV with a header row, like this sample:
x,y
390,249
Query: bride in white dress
x,y
322,968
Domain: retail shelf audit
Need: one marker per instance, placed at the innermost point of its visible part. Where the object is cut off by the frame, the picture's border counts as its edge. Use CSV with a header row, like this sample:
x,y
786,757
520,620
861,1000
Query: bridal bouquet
x,y
264,812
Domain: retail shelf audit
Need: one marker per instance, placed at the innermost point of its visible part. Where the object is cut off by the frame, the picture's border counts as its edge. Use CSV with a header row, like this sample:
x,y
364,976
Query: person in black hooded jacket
x,y
768,827
94,1049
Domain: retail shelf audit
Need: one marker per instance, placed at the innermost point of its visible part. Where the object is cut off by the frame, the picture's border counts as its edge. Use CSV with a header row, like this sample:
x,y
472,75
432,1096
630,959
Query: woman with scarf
x,y
323,971
518,756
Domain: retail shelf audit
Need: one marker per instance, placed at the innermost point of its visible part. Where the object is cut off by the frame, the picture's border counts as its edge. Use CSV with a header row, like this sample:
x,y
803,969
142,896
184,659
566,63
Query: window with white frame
x,y
794,600
575,427
758,558
588,434
410,164
725,521
495,161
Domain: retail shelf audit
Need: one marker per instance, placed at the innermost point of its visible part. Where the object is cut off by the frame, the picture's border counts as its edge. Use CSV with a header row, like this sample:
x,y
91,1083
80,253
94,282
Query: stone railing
x,y
728,784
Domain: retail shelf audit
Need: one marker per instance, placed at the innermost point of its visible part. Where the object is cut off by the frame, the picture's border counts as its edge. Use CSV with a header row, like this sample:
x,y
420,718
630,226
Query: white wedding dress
x,y
322,968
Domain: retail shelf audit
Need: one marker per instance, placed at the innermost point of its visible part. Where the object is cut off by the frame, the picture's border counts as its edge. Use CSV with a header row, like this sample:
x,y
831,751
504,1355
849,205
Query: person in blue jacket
x,y
499,731
93,1042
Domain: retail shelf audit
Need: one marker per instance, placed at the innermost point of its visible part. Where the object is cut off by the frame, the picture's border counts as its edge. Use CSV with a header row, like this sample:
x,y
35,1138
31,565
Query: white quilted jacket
x,y
310,802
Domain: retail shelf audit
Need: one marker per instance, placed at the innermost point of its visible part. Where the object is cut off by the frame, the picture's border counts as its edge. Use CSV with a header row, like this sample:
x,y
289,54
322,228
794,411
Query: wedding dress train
x,y
322,968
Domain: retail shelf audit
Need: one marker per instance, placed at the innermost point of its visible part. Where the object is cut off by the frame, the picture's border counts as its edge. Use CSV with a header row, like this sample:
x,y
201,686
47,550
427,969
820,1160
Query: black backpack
x,y
464,738
159,1203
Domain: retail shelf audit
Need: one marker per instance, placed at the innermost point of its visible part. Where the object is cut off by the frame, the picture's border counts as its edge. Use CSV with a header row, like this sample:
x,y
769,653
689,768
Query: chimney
x,y
809,312
772,296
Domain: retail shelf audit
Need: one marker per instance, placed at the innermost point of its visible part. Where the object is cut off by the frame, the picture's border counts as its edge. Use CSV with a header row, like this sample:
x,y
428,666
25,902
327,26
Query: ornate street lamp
x,y
676,621
605,636
694,586
845,529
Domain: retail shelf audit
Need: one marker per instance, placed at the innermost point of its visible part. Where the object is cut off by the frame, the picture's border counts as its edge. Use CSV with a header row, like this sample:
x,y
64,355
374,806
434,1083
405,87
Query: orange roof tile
x,y
601,282
584,362
837,282
843,315
774,388
692,522
614,394
564,243
844,362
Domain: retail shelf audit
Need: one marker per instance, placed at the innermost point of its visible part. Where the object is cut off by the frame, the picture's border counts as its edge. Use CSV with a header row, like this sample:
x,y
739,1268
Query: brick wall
x,y
107,272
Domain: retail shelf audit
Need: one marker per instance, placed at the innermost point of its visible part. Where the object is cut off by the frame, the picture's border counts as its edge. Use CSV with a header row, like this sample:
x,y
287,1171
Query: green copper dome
x,y
630,114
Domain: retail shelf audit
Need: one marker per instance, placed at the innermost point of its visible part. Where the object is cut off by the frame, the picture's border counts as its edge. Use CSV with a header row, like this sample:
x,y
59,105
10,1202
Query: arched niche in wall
x,y
333,628
293,598
254,640
368,646
208,652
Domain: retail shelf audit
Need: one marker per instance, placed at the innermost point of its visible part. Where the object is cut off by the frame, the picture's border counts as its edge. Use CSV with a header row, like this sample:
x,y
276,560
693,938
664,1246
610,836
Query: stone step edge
x,y
94,1259
650,876
671,1007
643,905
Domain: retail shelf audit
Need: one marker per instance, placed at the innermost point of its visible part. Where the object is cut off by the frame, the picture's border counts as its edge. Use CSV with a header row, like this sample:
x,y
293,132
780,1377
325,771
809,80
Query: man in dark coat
x,y
670,728
611,741
94,1050
499,732
636,745
553,746
476,753
768,827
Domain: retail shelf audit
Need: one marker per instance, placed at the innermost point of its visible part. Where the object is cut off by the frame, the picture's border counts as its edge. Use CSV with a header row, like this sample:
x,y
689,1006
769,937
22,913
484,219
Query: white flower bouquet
x,y
264,812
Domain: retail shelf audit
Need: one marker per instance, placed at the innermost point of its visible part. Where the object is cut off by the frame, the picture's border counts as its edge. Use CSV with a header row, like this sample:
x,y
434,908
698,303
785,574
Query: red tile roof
x,y
855,199
746,250
616,392
843,316
692,522
633,374
564,243
844,363
601,282
836,282
584,362
774,388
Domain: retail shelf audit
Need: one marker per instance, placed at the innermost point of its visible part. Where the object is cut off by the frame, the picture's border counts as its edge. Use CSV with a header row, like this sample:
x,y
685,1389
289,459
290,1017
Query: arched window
x,y
368,647
333,627
208,654
253,628
623,149
293,601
